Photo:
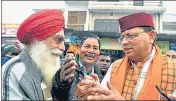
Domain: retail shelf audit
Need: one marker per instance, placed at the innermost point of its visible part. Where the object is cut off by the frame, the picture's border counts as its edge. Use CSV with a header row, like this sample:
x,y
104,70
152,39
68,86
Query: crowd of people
x,y
36,72
10,50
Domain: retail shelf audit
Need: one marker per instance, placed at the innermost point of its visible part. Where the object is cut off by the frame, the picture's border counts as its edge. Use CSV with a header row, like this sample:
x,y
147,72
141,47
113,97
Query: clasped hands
x,y
90,89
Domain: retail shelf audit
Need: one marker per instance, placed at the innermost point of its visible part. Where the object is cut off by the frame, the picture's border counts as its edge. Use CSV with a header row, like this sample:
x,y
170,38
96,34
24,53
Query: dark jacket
x,y
66,91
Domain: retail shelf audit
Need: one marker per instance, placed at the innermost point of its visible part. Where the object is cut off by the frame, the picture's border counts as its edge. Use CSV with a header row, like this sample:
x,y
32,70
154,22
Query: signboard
x,y
172,46
164,45
111,44
8,40
3,29
112,52
10,29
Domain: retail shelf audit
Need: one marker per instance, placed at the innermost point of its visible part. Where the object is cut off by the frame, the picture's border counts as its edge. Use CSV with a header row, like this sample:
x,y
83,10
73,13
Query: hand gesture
x,y
106,94
67,69
84,88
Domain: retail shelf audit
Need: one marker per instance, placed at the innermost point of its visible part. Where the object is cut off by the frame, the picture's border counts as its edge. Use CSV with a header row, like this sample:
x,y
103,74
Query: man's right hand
x,y
67,69
106,94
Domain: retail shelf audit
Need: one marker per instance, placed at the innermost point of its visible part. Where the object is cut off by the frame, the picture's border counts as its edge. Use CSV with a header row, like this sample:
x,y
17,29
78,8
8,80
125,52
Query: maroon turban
x,y
40,26
136,20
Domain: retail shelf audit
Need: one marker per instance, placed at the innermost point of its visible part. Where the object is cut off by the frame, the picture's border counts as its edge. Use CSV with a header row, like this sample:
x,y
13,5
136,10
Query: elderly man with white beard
x,y
29,75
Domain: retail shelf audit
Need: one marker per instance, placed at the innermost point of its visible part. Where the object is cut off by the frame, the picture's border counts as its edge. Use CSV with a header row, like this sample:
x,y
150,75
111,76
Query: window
x,y
169,26
106,25
138,3
76,20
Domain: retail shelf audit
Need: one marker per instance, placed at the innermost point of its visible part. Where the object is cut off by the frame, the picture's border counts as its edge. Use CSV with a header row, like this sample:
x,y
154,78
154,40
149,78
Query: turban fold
x,y
40,26
136,20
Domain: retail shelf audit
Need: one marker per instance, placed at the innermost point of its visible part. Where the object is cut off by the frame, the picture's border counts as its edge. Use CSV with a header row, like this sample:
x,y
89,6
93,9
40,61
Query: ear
x,y
152,36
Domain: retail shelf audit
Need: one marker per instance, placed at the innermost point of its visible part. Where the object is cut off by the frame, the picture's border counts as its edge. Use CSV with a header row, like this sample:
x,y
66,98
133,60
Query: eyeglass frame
x,y
171,56
59,39
134,35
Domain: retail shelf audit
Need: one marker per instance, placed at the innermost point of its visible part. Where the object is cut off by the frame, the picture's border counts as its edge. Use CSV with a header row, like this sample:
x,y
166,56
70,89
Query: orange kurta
x,y
162,72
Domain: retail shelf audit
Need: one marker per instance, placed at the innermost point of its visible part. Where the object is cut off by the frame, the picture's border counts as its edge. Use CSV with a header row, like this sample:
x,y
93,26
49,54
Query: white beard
x,y
47,63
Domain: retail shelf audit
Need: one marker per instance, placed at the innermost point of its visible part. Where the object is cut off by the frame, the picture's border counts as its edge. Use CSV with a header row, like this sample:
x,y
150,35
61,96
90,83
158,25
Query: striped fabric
x,y
21,80
143,74
168,78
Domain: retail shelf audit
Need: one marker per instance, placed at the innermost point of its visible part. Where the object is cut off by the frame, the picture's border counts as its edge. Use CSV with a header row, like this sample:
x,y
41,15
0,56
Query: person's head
x,y
19,45
104,61
3,47
70,54
171,53
6,50
89,49
137,35
43,35
15,51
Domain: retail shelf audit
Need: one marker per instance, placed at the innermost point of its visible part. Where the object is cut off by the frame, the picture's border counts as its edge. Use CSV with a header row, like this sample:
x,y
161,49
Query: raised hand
x,y
67,70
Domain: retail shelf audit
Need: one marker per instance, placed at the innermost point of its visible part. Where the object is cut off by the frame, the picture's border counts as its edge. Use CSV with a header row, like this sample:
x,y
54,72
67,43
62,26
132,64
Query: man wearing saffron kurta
x,y
135,76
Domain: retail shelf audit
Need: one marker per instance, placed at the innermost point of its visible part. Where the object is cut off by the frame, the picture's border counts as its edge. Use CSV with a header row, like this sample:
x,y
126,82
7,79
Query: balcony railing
x,y
126,7
123,3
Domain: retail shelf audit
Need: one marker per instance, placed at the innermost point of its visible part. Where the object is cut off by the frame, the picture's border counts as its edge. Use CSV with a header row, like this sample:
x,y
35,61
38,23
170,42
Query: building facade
x,y
101,16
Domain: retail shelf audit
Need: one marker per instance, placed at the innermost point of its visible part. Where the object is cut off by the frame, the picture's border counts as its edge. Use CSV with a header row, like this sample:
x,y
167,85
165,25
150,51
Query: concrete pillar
x,y
161,22
157,23
90,21
66,17
86,25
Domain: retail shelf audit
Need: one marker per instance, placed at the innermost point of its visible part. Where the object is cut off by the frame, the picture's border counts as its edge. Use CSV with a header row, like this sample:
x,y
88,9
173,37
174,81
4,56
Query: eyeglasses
x,y
128,36
59,39
171,56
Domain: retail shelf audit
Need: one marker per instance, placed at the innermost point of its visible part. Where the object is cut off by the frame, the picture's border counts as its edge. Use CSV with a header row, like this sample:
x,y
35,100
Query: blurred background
x,y
96,16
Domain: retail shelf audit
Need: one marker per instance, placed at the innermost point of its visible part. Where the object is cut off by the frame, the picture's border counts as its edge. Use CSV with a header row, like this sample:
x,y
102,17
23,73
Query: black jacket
x,y
66,91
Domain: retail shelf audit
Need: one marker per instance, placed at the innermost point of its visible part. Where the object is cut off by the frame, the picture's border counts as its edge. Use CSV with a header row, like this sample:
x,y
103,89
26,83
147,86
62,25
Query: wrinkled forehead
x,y
171,53
132,30
91,40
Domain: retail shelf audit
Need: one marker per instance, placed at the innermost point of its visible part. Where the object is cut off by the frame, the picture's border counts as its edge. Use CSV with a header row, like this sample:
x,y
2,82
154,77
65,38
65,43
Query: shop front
x,y
164,45
113,47
172,45
166,41
8,33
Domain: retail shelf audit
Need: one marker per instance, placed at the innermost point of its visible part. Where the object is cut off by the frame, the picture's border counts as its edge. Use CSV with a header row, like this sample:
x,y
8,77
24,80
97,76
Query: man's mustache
x,y
127,46
90,55
57,52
